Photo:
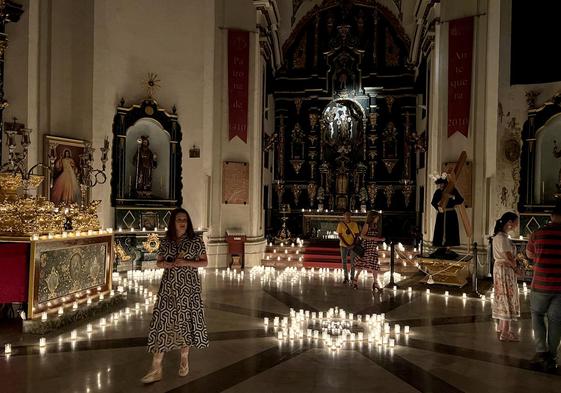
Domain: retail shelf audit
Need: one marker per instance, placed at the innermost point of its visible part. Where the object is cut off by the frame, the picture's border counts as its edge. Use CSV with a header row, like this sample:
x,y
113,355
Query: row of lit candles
x,y
331,211
60,308
129,281
89,327
71,234
90,232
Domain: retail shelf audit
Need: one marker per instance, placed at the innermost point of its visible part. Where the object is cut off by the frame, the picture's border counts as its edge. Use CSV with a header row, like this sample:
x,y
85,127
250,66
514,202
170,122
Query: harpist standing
x,y
178,320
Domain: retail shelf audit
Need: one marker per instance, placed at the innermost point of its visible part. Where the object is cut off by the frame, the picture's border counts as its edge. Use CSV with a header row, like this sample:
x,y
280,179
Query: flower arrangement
x,y
438,176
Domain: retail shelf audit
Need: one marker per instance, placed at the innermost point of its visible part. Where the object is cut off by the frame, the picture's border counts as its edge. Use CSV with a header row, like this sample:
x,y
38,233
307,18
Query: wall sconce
x,y
194,152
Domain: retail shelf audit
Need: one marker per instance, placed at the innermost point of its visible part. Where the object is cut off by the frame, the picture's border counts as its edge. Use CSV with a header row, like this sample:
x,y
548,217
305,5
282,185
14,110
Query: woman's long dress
x,y
506,305
370,259
178,319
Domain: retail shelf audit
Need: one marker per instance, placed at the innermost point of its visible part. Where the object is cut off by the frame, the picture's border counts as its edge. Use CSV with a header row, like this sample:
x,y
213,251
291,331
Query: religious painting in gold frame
x,y
63,187
65,269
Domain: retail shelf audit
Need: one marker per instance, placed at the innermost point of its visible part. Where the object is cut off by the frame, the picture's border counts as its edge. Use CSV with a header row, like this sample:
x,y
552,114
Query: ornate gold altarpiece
x,y
66,270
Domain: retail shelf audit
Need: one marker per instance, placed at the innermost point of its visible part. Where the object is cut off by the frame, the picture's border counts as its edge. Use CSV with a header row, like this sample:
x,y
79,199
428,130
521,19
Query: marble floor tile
x,y
452,346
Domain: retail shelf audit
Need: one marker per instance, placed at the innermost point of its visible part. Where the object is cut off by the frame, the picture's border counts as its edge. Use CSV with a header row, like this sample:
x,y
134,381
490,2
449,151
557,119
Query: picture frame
x,y
149,220
61,268
63,185
235,183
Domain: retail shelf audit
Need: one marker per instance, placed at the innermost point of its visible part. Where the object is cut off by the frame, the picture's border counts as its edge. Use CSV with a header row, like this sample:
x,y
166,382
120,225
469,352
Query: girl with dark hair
x,y
370,235
178,320
506,306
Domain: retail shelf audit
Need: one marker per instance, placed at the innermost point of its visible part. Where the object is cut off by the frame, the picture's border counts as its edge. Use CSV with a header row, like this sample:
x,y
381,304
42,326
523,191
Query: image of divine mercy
x,y
66,188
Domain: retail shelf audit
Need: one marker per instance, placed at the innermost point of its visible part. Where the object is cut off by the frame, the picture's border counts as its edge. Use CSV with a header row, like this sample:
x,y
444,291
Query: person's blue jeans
x,y
345,252
542,305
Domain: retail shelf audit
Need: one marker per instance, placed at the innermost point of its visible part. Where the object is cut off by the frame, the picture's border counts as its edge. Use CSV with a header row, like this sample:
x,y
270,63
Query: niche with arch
x,y
146,133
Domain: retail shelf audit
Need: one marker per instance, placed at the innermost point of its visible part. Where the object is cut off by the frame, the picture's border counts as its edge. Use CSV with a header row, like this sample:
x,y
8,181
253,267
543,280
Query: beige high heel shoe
x,y
184,365
153,376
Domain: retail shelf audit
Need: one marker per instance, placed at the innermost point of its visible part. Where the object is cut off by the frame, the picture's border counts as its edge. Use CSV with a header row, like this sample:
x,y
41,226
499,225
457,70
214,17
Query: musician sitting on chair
x,y
446,229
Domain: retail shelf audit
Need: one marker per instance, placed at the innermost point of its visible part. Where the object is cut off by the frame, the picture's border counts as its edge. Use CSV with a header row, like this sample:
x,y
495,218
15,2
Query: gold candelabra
x,y
23,215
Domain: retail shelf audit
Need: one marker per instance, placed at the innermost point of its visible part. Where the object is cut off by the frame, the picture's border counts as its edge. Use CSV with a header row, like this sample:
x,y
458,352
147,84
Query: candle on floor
x,y
446,293
89,328
266,321
43,316
464,295
392,342
397,329
42,342
409,289
428,291
7,349
279,335
102,322
406,329
73,335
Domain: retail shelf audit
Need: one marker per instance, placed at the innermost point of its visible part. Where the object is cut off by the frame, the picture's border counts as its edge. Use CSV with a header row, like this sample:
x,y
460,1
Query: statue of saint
x,y
145,161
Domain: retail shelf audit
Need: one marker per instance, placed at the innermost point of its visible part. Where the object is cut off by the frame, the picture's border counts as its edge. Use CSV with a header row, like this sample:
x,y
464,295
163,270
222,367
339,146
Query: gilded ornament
x,y
389,102
531,97
120,253
151,83
94,269
152,244
52,282
296,191
3,45
512,150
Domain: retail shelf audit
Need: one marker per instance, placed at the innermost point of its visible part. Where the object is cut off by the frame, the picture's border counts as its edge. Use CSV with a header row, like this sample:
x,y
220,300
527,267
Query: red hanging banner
x,y
460,48
238,73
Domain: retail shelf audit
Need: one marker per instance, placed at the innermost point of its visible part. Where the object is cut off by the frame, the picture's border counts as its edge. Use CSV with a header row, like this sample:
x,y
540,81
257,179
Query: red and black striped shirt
x,y
545,244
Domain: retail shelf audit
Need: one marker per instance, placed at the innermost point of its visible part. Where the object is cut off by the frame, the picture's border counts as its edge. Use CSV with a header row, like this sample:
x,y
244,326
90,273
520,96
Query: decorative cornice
x,y
268,17
327,4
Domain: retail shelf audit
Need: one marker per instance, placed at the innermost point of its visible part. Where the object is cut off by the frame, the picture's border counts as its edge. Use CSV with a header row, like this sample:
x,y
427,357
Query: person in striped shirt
x,y
544,247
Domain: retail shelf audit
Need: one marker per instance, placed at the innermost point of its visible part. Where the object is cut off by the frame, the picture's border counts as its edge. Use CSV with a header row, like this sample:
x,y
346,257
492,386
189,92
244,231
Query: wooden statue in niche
x,y
145,161
390,141
297,145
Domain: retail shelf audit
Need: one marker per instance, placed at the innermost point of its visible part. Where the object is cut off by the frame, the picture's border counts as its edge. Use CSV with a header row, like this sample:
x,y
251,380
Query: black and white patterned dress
x,y
178,319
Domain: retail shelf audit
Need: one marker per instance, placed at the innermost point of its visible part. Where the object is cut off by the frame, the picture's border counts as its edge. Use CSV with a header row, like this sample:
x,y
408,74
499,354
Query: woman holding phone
x,y
178,320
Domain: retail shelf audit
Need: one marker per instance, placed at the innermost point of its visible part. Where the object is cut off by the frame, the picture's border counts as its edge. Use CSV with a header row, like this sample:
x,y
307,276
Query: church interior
x,y
203,175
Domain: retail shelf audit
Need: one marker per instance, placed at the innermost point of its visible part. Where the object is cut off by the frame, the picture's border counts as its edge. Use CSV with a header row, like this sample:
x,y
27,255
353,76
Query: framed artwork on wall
x,y
61,268
63,187
149,220
235,183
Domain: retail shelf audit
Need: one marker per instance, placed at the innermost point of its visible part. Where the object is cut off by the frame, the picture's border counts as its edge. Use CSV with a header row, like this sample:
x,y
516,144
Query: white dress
x,y
506,305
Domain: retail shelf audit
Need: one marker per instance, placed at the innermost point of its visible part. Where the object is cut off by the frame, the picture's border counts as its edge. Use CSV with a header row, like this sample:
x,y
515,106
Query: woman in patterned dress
x,y
506,305
370,237
178,320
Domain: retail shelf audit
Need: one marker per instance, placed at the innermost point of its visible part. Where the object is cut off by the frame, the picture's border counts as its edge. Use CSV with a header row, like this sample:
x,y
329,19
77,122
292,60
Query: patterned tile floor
x,y
452,346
